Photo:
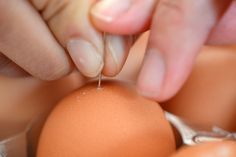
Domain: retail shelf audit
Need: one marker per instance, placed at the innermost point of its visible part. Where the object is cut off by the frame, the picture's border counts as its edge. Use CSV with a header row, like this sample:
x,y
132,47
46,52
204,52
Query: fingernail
x,y
85,56
116,51
108,10
152,74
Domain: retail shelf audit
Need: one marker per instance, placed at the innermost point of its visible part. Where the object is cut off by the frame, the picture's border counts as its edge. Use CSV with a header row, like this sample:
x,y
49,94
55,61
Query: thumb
x,y
123,17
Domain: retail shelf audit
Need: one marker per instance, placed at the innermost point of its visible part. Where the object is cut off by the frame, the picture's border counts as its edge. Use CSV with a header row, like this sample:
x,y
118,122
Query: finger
x,y
179,29
116,52
26,40
223,33
70,23
225,30
131,68
10,69
126,17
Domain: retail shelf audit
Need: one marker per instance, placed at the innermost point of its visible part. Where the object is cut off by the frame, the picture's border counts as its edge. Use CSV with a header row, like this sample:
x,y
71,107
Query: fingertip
x,y
125,18
106,12
151,77
86,57
161,75
180,38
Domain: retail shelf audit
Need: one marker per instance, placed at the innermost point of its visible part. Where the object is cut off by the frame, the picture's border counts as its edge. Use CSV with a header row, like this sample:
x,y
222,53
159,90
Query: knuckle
x,y
39,4
53,8
173,12
49,8
53,71
172,6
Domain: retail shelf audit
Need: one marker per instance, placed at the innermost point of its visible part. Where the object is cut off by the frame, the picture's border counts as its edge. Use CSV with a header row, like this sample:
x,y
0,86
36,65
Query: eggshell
x,y
213,149
110,122
208,98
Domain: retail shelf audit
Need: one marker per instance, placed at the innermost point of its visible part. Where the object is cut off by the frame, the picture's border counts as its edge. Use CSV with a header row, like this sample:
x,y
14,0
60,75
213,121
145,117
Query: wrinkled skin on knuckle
x,y
170,13
50,8
50,72
172,7
39,4
68,19
57,14
71,19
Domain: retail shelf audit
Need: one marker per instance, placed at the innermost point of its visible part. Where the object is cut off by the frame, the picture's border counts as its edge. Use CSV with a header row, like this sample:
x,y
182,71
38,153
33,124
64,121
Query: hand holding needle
x,y
99,81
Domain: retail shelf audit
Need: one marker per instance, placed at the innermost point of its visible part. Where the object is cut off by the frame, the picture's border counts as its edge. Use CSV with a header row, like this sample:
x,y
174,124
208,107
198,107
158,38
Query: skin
x,y
39,97
53,37
178,30
61,37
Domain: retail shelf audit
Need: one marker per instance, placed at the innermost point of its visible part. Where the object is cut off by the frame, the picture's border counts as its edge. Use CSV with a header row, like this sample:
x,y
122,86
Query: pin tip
x,y
99,81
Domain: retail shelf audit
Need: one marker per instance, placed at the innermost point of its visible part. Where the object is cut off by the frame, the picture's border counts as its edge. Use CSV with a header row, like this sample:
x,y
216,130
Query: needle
x,y
99,81
100,75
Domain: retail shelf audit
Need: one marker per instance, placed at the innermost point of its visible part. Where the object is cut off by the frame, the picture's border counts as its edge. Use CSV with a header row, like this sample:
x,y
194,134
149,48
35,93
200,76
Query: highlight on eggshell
x,y
113,121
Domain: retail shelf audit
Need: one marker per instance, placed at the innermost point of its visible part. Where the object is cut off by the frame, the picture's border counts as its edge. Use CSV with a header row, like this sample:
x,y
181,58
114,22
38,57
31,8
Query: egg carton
x,y
16,145
191,136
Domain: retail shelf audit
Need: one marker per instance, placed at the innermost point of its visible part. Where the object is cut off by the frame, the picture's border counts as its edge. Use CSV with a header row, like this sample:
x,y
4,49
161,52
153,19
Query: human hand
x,y
178,31
42,36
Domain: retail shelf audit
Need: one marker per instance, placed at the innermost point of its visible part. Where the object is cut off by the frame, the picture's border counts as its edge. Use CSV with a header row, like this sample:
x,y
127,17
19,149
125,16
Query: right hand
x,y
178,30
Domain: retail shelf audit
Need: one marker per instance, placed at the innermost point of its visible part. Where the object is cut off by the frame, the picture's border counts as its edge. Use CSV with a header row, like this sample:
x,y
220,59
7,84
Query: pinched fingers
x,y
26,40
70,23
178,29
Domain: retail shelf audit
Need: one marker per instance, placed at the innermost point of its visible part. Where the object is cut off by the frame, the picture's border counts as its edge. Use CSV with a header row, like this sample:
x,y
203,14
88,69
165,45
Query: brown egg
x,y
107,122
213,149
209,96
